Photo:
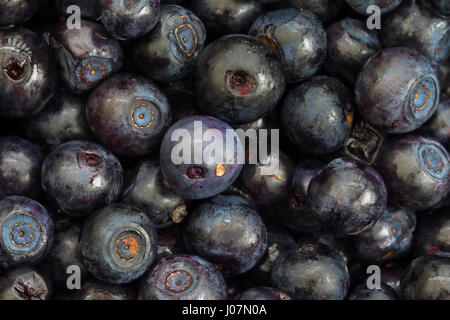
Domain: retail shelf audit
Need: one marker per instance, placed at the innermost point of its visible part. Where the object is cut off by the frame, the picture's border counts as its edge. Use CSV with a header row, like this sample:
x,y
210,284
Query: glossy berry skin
x,y
349,45
438,127
62,120
397,90
129,20
361,292
129,114
88,8
268,189
167,52
238,79
16,12
25,283
286,31
325,10
317,115
85,56
147,190
433,234
427,278
414,26
329,281
361,6
28,77
210,177
97,290
80,176
263,293
26,231
347,196
183,277
293,210
388,239
416,171
227,16
227,232
118,243
20,167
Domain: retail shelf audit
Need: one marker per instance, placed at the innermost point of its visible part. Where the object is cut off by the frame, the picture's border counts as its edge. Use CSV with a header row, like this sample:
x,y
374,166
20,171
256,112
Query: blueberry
x,y
183,277
326,10
62,120
118,244
20,167
416,171
80,176
361,6
427,278
96,290
28,78
329,280
147,190
414,26
129,114
317,115
438,126
392,275
433,234
85,56
238,79
166,53
26,231
129,19
181,97
442,5
17,12
350,44
227,16
347,196
194,179
169,242
389,238
227,232
25,283
286,32
361,292
263,293
397,90
88,8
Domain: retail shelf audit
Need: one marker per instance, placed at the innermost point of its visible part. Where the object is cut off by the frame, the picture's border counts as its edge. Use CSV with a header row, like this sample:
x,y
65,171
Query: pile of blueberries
x,y
94,207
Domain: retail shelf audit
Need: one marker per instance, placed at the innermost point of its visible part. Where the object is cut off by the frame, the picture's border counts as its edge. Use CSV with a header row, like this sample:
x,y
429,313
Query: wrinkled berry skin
x,y
129,114
329,281
28,77
80,176
389,238
20,168
433,234
416,171
15,12
361,6
97,290
147,190
427,278
227,232
325,10
414,26
167,52
286,31
25,283
409,87
268,189
349,46
293,210
209,177
118,243
347,196
263,293
129,20
62,120
361,292
26,231
88,8
227,16
438,127
317,115
85,56
237,79
183,277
